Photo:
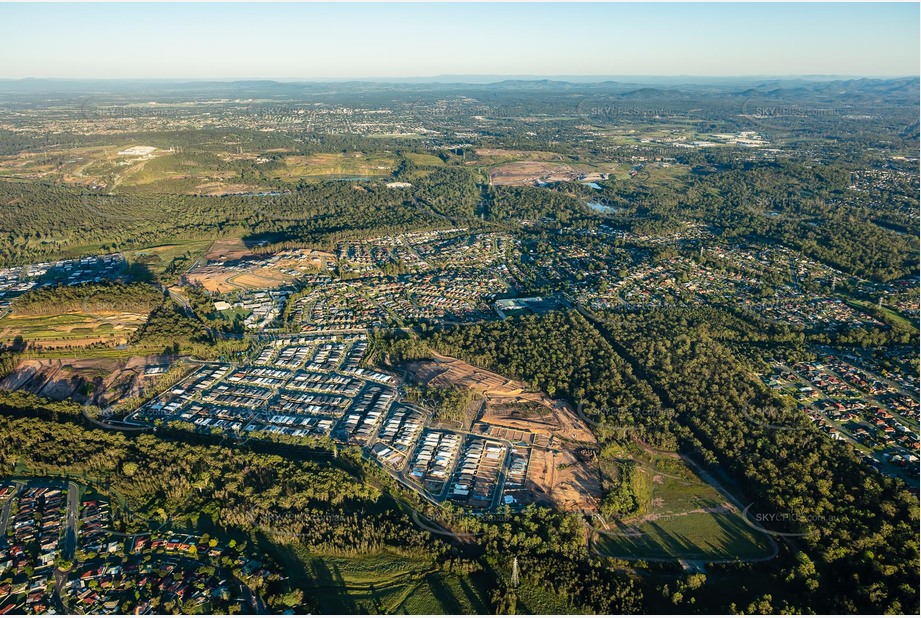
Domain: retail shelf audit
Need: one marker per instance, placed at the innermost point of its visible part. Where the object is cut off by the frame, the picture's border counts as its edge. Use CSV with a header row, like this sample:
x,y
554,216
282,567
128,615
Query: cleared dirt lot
x,y
226,249
509,403
561,478
233,273
562,469
529,172
100,381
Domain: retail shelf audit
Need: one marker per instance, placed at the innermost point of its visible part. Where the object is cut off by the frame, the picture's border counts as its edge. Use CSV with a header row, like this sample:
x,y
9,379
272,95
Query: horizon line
x,y
509,77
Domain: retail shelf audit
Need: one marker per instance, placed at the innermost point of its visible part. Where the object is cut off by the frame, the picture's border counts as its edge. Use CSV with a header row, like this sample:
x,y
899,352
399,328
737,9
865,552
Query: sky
x,y
379,40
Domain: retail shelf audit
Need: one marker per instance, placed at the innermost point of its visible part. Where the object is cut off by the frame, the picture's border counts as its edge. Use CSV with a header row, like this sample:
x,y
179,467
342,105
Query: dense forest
x,y
560,353
81,222
807,207
89,298
859,528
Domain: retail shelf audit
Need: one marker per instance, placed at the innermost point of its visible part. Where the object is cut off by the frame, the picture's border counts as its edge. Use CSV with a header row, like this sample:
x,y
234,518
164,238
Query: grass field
x,y
68,329
441,593
535,601
691,536
382,583
662,176
156,259
195,172
685,518
352,164
421,158
103,166
891,316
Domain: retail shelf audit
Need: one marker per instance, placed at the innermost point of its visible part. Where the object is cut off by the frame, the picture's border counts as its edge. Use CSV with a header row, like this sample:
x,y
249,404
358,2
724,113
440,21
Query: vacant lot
x,y
215,278
344,165
99,380
563,479
226,249
529,172
509,403
256,273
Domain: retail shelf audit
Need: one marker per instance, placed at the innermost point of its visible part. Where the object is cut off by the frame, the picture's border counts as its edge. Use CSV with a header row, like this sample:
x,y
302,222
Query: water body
x,y
593,185
602,208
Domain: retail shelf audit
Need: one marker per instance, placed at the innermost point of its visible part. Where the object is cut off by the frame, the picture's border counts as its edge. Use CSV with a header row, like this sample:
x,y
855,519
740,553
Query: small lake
x,y
593,185
602,208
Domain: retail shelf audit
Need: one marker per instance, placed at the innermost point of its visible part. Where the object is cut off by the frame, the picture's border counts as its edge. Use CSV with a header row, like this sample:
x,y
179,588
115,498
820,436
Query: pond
x,y
602,208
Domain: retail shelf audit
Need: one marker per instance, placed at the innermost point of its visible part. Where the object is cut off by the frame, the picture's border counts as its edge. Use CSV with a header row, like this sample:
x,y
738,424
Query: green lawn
x,y
891,316
535,601
158,258
421,158
692,536
685,518
382,583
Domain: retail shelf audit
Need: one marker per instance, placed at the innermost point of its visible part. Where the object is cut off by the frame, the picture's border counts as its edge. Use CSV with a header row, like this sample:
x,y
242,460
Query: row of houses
x,y
435,458
366,414
30,544
477,473
399,434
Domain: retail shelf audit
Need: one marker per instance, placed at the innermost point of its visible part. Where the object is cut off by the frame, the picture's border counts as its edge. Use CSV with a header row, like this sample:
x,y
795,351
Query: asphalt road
x,y
7,507
69,546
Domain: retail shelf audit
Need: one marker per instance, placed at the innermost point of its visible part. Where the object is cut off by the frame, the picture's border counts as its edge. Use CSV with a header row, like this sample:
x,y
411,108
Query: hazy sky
x,y
222,41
